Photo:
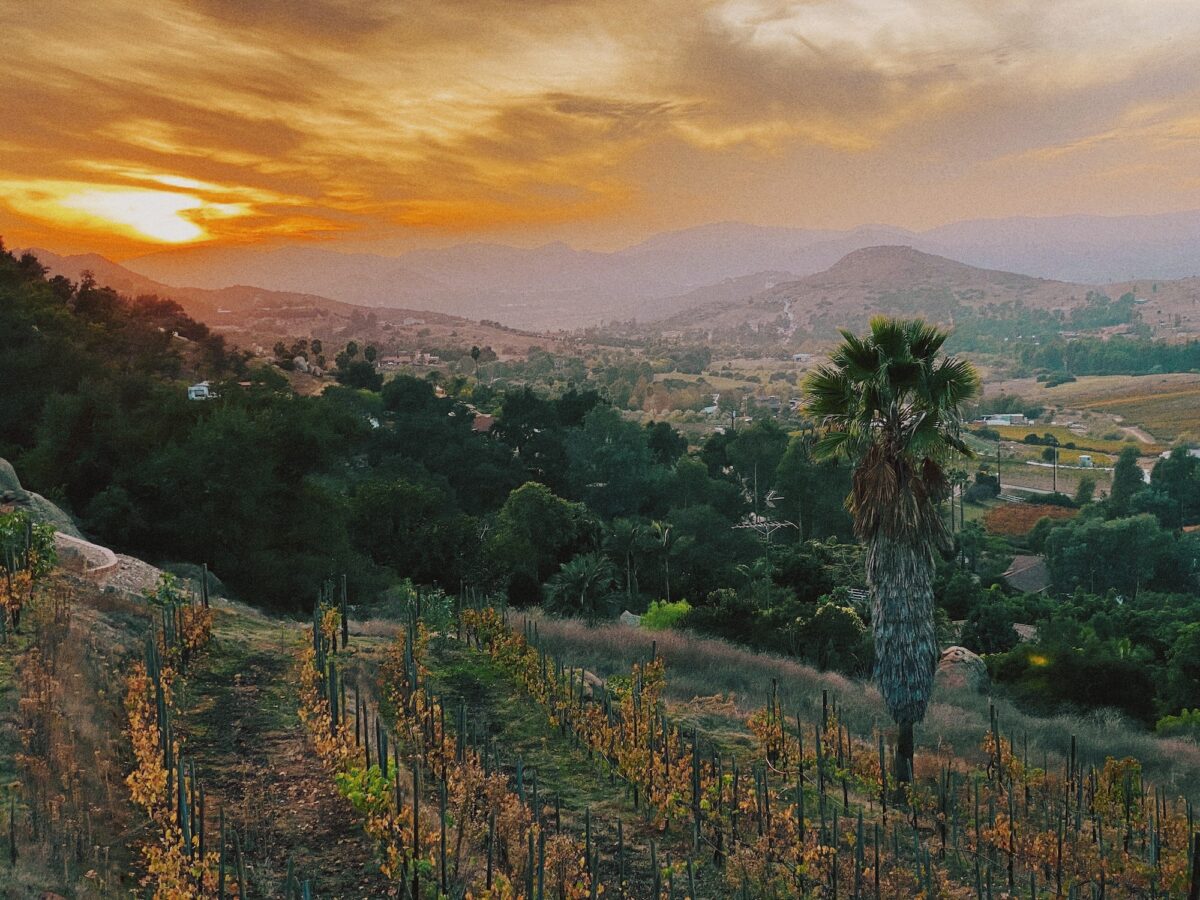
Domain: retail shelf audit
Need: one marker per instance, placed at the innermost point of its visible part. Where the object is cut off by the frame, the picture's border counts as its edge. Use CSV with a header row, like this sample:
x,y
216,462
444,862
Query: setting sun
x,y
157,215
142,214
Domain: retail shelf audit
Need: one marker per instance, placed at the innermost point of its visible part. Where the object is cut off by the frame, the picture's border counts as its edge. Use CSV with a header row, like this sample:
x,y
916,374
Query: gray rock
x,y
960,668
9,482
41,509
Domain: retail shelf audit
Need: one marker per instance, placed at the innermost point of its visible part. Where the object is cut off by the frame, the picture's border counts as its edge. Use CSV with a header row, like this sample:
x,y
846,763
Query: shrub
x,y
1061,378
1057,499
662,614
1186,724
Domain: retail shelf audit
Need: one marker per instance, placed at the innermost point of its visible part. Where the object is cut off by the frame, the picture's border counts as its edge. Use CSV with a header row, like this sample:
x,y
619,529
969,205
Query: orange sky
x,y
127,126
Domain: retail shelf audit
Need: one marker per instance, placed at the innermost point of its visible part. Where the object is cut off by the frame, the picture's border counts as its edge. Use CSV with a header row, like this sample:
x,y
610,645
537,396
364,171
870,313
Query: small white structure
x,y
1085,461
802,357
200,392
1004,419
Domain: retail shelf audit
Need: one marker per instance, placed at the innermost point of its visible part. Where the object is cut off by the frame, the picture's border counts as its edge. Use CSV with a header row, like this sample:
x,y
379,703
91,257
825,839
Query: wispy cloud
x,y
366,119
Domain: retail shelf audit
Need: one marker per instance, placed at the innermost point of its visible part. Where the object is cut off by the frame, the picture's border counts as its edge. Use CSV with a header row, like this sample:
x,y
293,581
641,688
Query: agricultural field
x,y
1167,406
1086,442
465,748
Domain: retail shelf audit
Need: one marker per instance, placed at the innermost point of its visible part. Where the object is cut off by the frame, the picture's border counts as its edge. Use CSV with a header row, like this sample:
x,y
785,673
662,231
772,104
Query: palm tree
x,y
623,541
582,586
665,538
890,403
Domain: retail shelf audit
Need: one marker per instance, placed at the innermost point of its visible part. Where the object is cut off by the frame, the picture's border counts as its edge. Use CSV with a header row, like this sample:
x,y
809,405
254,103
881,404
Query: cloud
x,y
369,119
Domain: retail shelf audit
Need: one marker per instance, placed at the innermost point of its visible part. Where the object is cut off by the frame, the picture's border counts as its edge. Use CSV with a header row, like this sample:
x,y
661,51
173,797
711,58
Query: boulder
x,y
960,668
13,496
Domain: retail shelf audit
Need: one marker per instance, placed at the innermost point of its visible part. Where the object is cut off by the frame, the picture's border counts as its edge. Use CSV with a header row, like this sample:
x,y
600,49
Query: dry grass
x,y
1172,415
1018,519
1081,441
1168,406
956,722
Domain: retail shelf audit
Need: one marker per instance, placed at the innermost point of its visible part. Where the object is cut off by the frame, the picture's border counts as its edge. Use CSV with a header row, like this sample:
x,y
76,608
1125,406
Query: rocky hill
x,y
893,280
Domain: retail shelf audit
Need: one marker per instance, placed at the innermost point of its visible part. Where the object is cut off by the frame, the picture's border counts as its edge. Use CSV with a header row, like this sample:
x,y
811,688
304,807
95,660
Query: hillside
x,y
251,316
298,781
893,280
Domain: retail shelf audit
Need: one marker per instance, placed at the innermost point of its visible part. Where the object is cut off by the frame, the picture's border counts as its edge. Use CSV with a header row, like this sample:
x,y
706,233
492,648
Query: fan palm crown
x,y
890,402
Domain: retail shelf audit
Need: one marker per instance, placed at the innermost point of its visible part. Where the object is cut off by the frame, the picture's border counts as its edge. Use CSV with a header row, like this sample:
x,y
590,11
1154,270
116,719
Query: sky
x,y
128,127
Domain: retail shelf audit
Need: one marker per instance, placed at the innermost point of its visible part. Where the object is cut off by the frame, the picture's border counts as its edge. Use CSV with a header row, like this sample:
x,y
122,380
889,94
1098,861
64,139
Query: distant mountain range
x,y
555,286
772,305
250,315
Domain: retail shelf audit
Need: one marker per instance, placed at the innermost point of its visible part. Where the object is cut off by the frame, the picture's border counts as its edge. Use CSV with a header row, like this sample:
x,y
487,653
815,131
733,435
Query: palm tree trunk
x,y
902,769
900,575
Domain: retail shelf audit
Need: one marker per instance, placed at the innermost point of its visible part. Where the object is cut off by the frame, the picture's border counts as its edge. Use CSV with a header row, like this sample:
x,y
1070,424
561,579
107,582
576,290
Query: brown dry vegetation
x,y
74,823
1018,519
704,667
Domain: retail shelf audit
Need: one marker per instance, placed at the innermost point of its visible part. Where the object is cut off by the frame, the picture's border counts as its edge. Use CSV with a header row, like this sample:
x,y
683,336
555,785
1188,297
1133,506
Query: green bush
x,y
1186,724
662,614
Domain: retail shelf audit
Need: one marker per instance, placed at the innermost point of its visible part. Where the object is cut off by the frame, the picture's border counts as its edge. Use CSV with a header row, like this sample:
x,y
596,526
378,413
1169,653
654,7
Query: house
x,y
483,423
200,392
1004,419
1028,574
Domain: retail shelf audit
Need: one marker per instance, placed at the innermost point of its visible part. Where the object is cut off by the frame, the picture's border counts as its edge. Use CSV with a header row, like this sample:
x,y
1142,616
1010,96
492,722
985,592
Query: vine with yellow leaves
x,y
444,818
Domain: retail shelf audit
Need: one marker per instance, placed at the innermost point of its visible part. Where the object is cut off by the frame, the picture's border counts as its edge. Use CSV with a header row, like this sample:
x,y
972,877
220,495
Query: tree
x,y
1127,481
475,354
360,374
989,627
755,454
583,586
370,353
535,532
1183,670
1085,491
891,403
624,540
664,539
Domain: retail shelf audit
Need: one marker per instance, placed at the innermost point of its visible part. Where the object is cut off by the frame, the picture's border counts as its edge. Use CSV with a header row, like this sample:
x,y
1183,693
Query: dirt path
x,y
1144,436
254,758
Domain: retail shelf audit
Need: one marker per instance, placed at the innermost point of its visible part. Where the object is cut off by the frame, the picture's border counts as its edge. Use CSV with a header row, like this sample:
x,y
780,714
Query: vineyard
x,y
804,809
462,752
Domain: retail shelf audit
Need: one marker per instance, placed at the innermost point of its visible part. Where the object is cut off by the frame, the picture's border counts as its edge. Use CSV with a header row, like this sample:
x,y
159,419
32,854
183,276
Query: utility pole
x,y
1055,481
998,488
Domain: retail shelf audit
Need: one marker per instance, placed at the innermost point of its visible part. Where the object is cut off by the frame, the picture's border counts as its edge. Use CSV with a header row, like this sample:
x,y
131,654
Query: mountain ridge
x,y
557,286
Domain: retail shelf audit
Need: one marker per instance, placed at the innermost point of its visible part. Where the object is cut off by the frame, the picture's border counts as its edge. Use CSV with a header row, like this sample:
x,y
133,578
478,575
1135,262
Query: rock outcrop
x,y
13,496
960,668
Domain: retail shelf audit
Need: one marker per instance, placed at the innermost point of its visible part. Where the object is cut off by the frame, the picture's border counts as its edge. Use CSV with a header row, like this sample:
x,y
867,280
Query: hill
x,y
251,316
556,286
893,280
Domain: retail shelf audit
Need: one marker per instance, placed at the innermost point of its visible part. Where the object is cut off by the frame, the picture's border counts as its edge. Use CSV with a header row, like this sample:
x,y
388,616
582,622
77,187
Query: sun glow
x,y
157,215
144,214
